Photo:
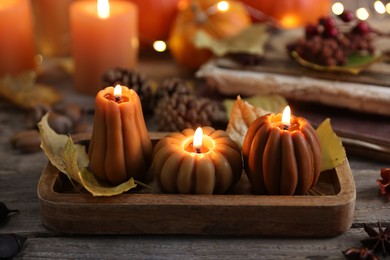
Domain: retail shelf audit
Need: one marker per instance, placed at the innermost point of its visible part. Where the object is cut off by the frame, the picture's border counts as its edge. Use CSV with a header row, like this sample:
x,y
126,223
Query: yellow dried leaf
x,y
332,149
22,91
250,40
72,159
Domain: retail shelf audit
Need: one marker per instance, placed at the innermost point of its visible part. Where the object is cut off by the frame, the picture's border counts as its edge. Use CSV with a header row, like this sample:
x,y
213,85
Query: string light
x,y
379,7
159,46
362,13
337,8
223,6
388,8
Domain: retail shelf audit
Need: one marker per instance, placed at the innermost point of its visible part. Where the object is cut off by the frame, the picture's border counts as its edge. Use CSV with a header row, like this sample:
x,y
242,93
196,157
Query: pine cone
x,y
173,86
133,80
179,112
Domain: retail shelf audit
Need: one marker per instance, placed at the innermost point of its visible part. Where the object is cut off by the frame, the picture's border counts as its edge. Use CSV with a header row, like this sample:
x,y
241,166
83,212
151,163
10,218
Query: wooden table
x,y
19,175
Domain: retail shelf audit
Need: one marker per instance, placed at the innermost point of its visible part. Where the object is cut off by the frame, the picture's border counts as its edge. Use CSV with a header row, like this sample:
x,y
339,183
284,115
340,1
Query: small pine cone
x,y
179,112
173,86
133,80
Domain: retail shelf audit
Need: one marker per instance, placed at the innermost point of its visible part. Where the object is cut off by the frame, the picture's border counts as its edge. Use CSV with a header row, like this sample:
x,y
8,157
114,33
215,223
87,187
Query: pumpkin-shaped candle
x,y
282,154
204,162
120,146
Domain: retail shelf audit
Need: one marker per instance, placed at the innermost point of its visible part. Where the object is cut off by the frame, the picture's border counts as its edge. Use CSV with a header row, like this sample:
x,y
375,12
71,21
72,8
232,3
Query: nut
x,y
26,141
73,111
60,123
82,127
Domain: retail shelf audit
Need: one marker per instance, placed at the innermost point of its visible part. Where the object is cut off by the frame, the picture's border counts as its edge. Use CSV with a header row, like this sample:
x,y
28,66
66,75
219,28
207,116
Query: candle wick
x,y
285,127
117,98
197,150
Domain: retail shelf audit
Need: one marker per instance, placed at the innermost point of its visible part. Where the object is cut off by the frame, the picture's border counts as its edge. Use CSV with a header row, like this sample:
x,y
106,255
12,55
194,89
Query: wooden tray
x,y
238,213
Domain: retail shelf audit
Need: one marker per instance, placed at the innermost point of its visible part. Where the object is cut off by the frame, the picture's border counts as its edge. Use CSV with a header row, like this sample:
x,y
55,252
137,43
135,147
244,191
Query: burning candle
x,y
104,35
206,161
17,45
281,154
120,146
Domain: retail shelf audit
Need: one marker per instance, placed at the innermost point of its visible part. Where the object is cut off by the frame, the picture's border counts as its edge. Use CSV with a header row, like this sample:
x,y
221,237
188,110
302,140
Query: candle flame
x,y
286,116
198,135
103,8
118,91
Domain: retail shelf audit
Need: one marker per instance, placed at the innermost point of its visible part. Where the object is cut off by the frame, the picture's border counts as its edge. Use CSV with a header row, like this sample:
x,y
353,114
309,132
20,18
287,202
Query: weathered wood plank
x,y
189,247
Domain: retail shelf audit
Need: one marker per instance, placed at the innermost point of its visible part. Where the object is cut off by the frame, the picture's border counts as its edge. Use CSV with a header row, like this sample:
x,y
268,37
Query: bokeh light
x,y
223,6
362,13
159,46
337,8
379,7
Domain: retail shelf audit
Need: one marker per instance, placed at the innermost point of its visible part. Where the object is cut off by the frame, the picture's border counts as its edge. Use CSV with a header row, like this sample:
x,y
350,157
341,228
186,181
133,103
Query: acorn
x,y
28,141
61,124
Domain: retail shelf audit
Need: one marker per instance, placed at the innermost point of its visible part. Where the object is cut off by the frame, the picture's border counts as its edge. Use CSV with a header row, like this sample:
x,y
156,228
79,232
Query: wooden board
x,y
238,213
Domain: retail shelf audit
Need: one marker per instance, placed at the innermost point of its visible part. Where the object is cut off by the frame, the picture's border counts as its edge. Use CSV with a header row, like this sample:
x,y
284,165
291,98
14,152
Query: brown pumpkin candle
x,y
183,166
281,157
120,146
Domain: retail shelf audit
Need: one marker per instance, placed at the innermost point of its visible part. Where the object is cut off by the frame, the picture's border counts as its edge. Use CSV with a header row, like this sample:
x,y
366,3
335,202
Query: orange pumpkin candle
x,y
17,45
120,146
282,154
204,162
104,36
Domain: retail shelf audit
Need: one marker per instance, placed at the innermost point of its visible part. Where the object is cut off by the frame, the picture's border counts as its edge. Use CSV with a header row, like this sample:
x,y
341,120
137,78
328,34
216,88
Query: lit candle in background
x,y
52,26
102,38
17,45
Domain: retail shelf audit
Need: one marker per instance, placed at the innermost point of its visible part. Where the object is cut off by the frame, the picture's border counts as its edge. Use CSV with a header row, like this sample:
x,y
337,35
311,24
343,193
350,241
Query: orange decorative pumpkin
x,y
156,18
280,160
204,15
214,168
290,13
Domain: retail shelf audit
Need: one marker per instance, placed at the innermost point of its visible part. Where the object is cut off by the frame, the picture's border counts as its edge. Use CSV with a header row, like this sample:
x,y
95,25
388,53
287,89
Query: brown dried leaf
x,y
22,91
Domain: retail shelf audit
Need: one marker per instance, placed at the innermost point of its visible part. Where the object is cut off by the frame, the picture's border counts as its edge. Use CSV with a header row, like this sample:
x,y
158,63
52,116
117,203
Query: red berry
x,y
327,22
347,16
331,32
311,30
361,28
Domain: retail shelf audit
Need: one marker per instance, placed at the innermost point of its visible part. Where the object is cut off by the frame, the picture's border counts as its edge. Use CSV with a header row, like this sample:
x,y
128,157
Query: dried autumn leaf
x,y
332,149
72,159
355,63
22,91
250,40
242,114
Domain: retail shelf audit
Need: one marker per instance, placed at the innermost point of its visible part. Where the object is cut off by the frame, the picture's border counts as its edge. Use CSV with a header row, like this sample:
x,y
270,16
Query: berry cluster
x,y
329,43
